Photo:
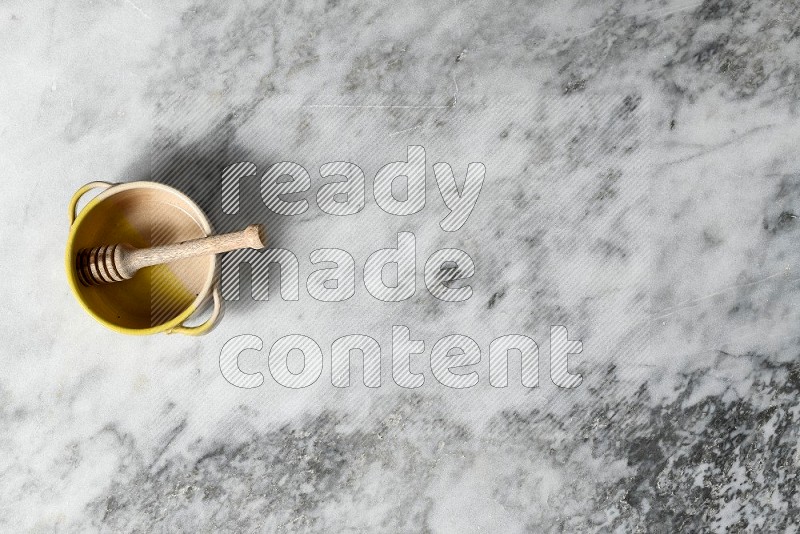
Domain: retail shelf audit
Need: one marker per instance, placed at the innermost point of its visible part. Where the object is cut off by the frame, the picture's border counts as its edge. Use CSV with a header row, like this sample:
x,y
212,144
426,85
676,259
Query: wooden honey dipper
x,y
115,263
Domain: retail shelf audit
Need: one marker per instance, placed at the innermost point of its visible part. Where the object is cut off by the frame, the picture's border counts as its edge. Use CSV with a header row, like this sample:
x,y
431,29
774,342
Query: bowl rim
x,y
73,278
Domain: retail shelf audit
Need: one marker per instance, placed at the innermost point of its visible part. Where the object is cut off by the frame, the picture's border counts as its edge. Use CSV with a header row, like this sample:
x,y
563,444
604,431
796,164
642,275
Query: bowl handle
x,y
204,328
73,204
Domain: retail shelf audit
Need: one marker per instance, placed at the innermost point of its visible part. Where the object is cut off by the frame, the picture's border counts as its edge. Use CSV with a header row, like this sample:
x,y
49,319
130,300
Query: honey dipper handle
x,y
250,237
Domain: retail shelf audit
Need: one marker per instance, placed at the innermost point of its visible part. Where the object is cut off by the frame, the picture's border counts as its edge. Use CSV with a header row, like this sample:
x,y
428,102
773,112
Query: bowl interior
x,y
144,217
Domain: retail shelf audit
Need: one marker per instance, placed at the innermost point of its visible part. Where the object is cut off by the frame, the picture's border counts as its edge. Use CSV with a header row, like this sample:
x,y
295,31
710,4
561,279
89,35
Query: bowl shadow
x,y
196,169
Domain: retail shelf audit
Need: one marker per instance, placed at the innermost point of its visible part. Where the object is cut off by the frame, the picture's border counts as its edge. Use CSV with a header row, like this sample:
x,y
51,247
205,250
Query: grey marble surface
x,y
642,188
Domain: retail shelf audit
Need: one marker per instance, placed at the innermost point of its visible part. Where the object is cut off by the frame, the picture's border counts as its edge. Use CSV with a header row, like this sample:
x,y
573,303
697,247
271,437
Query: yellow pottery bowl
x,y
156,299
